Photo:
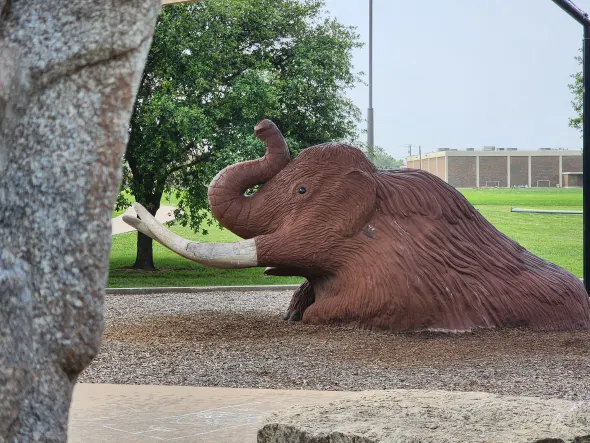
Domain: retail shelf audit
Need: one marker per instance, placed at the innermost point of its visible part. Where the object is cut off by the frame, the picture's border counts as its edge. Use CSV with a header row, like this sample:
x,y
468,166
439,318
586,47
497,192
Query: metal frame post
x,y
582,18
585,153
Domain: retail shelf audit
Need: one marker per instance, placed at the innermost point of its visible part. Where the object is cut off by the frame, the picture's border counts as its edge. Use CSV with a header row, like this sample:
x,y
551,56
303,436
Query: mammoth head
x,y
227,199
304,209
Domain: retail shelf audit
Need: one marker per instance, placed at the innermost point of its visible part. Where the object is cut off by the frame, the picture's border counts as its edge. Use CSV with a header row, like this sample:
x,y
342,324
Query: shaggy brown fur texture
x,y
395,250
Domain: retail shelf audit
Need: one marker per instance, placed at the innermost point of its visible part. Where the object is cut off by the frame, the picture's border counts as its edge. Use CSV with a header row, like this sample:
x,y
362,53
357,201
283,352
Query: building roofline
x,y
551,153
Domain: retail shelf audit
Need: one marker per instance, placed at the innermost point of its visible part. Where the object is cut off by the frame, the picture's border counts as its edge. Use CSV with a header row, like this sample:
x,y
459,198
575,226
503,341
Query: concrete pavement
x,y
164,215
139,413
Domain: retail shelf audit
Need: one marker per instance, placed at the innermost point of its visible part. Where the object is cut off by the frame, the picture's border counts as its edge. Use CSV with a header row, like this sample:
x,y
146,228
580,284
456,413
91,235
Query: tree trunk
x,y
144,258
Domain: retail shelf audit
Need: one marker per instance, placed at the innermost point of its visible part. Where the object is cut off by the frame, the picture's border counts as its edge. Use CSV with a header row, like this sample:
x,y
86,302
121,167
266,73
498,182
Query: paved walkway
x,y
136,413
164,215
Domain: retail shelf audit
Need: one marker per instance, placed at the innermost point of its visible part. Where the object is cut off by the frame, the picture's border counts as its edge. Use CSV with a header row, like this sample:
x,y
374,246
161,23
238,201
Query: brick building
x,y
503,168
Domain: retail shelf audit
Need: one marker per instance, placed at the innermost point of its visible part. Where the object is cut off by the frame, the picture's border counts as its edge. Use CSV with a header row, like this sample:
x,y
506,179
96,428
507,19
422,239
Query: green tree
x,y
217,67
381,159
385,161
577,88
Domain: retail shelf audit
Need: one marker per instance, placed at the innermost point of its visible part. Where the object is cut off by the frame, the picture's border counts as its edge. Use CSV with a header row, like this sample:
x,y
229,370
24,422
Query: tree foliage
x,y
216,68
381,159
385,161
577,88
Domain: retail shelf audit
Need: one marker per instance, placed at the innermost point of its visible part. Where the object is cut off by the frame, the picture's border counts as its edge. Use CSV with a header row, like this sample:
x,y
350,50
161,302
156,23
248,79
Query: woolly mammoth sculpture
x,y
395,250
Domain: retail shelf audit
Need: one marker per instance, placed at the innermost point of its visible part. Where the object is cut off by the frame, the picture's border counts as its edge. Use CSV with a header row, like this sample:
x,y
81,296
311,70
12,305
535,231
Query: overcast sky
x,y
467,73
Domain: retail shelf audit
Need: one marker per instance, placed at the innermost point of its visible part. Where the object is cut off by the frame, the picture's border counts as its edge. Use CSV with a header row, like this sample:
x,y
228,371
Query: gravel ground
x,y
238,339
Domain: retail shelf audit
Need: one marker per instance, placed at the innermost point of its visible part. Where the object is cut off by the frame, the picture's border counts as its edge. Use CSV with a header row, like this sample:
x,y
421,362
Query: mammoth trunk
x,y
226,192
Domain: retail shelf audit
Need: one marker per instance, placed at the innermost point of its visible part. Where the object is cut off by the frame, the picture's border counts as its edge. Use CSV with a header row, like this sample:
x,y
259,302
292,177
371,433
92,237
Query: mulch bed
x,y
240,340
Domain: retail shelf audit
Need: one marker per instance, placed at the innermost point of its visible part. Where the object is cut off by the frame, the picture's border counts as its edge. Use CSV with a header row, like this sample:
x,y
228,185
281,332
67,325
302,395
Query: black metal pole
x,y
576,13
582,18
586,153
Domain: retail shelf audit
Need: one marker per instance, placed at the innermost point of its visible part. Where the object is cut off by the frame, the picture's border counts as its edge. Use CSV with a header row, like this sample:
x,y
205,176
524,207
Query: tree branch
x,y
200,159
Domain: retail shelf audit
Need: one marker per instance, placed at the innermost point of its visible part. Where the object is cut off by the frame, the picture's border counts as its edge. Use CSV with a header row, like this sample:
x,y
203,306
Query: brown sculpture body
x,y
395,250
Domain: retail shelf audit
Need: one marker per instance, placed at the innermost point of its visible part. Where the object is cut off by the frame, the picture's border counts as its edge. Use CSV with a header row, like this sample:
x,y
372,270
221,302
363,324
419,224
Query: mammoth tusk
x,y
240,254
139,225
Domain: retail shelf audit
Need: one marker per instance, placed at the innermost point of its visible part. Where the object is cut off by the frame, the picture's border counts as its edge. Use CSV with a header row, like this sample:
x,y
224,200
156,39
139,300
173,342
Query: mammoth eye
x,y
302,190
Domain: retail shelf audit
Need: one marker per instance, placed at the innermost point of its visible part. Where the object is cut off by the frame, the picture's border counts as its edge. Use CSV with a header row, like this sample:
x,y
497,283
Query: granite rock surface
x,y
69,73
420,416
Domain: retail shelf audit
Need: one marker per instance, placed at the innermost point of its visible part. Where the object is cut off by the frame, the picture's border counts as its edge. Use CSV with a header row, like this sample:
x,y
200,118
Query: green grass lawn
x,y
555,237
532,198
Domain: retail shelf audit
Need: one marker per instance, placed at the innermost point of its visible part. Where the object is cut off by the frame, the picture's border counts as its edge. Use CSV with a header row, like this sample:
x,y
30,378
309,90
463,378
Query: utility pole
x,y
370,139
420,154
582,18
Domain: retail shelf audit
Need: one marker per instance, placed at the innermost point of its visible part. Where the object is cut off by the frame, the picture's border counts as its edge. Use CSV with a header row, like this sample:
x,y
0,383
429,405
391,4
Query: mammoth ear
x,y
355,197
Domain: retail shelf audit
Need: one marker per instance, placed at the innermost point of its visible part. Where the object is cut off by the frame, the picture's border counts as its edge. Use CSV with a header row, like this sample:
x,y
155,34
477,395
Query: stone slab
x,y
139,413
415,416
